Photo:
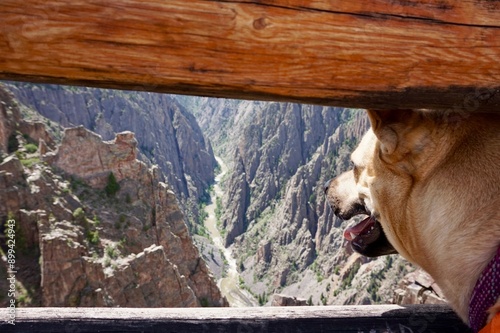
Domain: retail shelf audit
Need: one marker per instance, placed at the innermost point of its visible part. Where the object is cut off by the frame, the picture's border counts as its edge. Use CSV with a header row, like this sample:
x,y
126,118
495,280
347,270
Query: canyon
x,y
95,226
261,228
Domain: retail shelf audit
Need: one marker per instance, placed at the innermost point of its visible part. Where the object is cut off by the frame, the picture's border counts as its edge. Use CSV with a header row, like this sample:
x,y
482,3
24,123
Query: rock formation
x,y
282,300
418,288
168,136
81,244
284,234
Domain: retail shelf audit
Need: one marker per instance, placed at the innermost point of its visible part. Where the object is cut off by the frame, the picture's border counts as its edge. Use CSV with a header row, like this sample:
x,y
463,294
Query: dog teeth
x,y
353,235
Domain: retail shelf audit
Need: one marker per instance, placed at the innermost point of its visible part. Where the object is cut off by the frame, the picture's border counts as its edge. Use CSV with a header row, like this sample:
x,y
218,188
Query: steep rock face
x,y
9,117
275,141
235,219
78,245
84,154
168,135
289,240
94,161
418,288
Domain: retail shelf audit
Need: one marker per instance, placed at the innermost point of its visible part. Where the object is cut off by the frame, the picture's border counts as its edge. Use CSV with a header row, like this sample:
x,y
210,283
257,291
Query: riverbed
x,y
229,285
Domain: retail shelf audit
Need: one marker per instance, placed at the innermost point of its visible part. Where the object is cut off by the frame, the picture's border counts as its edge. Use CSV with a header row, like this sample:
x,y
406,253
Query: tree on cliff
x,y
112,186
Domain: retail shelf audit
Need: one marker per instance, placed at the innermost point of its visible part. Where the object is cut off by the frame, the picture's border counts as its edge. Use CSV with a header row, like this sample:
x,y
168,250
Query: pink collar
x,y
485,294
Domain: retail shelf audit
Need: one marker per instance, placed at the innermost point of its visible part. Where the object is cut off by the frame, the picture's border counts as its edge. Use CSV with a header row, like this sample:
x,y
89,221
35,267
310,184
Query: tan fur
x,y
433,182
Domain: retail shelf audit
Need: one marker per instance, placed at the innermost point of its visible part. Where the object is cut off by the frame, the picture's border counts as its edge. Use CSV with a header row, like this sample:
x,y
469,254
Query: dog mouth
x,y
365,232
368,238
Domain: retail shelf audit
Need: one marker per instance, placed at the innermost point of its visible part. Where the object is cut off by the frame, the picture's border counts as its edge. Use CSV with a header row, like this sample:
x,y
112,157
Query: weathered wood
x,y
372,319
365,53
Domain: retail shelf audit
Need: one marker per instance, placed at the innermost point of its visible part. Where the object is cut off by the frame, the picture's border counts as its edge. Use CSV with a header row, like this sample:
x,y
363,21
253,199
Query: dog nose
x,y
326,186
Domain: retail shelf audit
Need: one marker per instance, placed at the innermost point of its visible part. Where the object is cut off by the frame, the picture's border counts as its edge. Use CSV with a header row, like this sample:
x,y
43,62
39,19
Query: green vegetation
x,y
107,262
112,186
79,214
20,155
312,199
80,218
76,183
263,298
31,148
29,162
111,251
317,269
352,273
93,237
323,299
200,230
202,215
347,282
204,302
218,208
376,277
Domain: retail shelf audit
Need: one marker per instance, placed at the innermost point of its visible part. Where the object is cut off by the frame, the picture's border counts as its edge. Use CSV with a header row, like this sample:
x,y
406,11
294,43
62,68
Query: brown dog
x,y
429,183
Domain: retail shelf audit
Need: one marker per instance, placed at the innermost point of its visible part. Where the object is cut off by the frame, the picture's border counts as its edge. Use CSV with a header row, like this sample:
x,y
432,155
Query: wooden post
x,y
365,53
365,318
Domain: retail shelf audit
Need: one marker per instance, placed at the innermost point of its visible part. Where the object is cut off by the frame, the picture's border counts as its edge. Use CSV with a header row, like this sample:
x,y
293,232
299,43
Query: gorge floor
x,y
229,284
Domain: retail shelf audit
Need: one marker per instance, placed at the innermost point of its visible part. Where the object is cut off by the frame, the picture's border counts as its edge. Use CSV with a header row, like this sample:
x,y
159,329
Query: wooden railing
x,y
364,53
356,319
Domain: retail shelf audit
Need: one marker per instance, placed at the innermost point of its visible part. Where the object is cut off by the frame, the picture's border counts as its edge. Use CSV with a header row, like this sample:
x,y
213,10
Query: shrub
x,y
203,215
111,252
31,148
218,208
262,298
93,237
323,299
204,302
79,214
112,186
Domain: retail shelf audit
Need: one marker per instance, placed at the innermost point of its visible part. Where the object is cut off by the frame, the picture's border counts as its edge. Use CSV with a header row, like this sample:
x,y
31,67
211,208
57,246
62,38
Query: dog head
x,y
386,164
428,184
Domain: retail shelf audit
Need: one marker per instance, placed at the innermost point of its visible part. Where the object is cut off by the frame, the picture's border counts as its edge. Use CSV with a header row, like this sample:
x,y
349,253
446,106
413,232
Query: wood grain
x,y
368,53
372,319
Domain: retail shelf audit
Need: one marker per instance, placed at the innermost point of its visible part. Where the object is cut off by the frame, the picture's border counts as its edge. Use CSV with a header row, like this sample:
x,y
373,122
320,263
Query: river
x,y
229,285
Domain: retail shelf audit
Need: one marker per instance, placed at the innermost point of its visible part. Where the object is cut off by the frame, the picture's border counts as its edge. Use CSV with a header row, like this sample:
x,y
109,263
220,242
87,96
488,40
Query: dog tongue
x,y
358,229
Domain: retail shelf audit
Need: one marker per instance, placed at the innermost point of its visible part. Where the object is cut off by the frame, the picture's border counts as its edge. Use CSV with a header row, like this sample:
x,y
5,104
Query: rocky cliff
x,y
275,217
95,226
168,136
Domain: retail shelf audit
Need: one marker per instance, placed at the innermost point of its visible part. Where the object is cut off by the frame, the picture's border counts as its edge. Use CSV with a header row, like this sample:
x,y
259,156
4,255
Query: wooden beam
x,y
380,318
366,53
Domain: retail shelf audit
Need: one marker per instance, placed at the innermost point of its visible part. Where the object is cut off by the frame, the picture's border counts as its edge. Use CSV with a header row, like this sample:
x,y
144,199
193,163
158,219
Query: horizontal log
x,y
373,319
366,53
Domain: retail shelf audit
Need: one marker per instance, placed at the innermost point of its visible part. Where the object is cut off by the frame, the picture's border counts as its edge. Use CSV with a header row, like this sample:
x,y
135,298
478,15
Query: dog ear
x,y
383,118
382,121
